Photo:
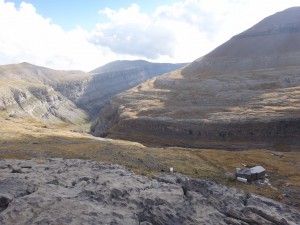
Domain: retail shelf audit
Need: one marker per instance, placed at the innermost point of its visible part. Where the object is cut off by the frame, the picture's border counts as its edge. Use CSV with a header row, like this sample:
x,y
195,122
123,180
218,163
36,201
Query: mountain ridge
x,y
81,94
131,64
239,83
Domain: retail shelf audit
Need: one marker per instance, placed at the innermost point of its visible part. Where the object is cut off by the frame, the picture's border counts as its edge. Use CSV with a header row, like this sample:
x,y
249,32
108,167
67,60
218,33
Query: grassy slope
x,y
27,138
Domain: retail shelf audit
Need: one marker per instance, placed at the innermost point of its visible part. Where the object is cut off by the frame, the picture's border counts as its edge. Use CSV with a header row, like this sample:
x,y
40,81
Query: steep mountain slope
x,y
28,90
149,68
69,96
245,91
116,77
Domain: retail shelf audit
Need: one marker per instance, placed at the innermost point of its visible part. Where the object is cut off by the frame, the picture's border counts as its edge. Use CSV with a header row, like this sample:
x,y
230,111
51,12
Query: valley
x,y
30,138
236,107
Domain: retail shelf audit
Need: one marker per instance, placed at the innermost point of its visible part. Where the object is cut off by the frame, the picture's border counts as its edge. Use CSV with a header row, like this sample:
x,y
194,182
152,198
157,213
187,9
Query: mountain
x,y
116,77
69,96
29,90
273,42
120,65
246,92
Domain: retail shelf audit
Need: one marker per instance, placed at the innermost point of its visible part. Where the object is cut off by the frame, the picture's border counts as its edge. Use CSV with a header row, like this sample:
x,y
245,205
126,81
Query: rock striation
x,y
58,191
70,96
116,77
28,90
245,91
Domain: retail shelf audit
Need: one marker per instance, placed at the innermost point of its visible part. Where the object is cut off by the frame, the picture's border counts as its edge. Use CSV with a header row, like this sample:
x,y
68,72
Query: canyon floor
x,y
26,138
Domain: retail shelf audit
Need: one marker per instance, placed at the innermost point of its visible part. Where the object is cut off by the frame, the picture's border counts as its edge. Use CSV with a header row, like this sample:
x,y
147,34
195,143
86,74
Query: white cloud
x,y
134,33
27,36
182,31
179,32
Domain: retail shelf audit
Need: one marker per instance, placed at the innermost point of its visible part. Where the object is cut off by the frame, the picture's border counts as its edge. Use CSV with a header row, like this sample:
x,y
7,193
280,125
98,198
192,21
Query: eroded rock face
x,y
57,191
116,77
93,93
245,91
29,90
70,96
42,102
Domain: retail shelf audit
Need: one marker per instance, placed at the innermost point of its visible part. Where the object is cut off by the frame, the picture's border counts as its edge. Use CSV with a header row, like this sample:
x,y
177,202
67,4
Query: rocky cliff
x,y
28,90
69,96
116,77
246,90
57,191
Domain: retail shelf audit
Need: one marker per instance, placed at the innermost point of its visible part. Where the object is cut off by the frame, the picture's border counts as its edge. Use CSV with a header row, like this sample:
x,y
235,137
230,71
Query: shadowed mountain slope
x,y
69,96
116,77
245,91
120,65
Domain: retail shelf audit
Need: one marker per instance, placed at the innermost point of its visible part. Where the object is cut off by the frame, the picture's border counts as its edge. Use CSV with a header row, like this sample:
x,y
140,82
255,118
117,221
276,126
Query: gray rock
x,y
88,192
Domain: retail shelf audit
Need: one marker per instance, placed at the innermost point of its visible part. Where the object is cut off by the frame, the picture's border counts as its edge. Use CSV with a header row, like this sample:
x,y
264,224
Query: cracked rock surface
x,y
59,191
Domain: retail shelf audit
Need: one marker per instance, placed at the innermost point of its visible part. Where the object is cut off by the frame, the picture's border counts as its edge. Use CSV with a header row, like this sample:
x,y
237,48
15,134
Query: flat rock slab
x,y
59,191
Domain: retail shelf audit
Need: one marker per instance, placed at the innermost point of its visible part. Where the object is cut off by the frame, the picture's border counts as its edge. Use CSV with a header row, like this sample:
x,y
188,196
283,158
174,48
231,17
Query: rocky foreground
x,y
58,191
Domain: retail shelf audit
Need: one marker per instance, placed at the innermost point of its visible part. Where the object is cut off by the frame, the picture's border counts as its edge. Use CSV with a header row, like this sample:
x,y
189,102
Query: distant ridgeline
x,y
70,96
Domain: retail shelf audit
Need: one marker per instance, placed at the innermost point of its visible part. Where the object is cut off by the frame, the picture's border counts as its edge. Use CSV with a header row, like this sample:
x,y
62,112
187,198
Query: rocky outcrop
x,y
57,191
108,117
29,90
194,134
246,90
42,102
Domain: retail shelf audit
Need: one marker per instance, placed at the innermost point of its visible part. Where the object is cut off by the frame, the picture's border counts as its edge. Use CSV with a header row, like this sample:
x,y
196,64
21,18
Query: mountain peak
x,y
27,64
286,21
246,90
296,8
259,47
130,64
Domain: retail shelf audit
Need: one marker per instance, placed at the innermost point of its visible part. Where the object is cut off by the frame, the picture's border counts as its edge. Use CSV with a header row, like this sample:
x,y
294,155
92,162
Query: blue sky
x,y
85,34
84,13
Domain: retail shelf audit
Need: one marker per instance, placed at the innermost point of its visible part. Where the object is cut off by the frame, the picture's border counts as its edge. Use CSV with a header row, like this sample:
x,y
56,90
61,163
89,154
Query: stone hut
x,y
251,174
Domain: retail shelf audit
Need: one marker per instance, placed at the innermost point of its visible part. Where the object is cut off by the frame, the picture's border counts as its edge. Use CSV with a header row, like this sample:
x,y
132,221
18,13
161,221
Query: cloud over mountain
x,y
134,33
177,32
28,36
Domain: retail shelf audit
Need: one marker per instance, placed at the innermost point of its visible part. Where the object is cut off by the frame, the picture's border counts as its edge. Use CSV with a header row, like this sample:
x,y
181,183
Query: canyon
x,y
69,96
97,147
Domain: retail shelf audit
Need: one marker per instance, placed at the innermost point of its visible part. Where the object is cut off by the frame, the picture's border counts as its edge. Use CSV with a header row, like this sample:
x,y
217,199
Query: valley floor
x,y
33,139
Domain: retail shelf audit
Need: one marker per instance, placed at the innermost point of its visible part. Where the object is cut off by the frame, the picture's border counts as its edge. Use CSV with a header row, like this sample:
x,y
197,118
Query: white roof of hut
x,y
257,169
253,170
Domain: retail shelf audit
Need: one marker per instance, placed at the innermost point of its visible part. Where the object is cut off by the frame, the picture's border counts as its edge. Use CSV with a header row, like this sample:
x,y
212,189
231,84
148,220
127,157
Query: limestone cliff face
x,y
116,77
28,90
70,96
42,102
247,90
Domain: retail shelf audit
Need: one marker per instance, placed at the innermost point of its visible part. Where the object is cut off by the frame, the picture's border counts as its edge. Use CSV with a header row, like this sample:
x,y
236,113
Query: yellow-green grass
x,y
24,138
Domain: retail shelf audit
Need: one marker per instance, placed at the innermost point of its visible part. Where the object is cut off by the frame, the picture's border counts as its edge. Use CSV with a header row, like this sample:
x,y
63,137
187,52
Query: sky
x,y
85,34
